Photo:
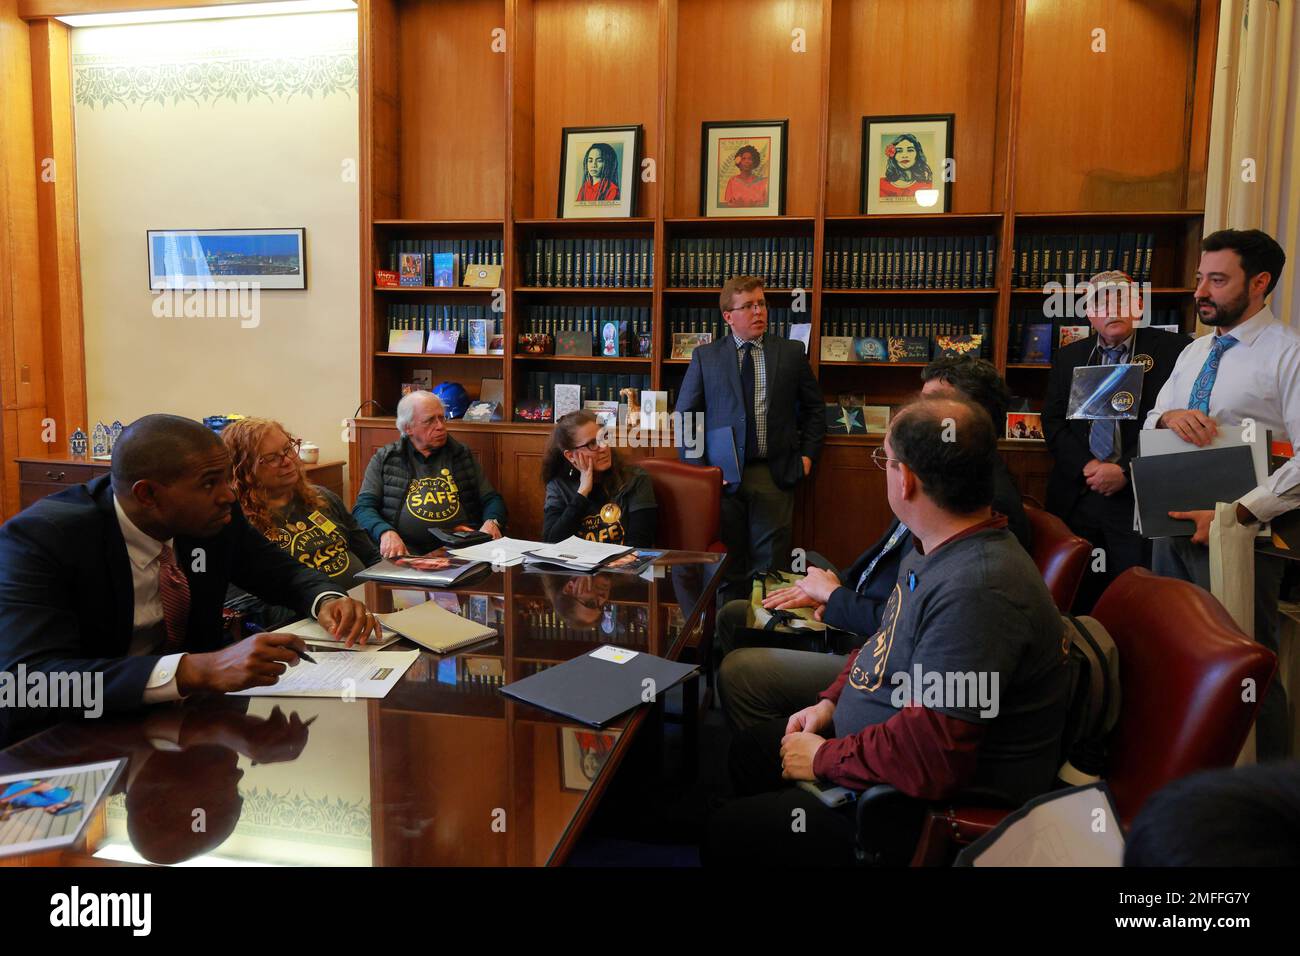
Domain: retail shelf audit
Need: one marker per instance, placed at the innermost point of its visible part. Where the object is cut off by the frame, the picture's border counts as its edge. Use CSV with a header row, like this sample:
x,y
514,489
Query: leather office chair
x,y
1183,664
1061,555
689,518
690,504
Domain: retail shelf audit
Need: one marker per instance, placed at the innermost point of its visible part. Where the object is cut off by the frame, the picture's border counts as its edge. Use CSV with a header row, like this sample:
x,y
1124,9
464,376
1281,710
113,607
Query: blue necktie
x,y
1103,437
1204,384
747,385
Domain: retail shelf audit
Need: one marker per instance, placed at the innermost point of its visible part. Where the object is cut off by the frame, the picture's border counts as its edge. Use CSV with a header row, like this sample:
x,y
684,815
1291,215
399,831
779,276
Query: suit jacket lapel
x,y
121,583
731,365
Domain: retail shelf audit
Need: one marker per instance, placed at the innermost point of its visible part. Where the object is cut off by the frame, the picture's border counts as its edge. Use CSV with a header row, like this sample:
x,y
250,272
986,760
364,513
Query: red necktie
x,y
174,589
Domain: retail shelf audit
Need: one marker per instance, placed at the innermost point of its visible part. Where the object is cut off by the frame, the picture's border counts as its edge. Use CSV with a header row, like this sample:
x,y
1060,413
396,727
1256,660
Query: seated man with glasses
x,y
311,523
759,683
424,480
763,415
963,689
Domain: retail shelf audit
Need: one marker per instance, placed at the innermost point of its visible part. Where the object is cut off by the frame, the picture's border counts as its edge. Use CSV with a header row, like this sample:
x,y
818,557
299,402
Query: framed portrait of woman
x,y
742,168
598,172
903,163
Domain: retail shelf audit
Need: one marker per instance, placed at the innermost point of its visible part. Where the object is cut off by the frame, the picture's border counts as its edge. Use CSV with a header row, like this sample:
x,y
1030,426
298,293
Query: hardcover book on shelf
x,y
1037,343
870,349
837,348
568,398
478,336
958,344
442,342
444,270
411,271
685,343
573,342
482,276
411,341
909,348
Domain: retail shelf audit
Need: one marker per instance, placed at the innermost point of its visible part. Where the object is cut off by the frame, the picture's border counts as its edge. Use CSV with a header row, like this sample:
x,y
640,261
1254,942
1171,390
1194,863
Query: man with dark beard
x,y
1247,371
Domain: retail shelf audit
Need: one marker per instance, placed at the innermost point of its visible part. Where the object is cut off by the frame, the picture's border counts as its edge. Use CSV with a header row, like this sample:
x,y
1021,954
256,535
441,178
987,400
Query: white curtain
x,y
1256,116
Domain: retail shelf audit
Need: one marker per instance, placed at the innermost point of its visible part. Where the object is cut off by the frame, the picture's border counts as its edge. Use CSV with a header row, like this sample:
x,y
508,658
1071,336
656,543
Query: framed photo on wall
x,y
742,168
599,171
902,163
212,258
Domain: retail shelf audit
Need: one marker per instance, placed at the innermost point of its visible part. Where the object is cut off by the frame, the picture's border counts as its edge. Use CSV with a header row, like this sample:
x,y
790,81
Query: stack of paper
x,y
501,553
426,572
575,554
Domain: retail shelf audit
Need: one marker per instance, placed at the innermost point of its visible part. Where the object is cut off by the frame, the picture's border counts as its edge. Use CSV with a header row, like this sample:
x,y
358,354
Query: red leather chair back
x,y
1183,662
1061,555
690,503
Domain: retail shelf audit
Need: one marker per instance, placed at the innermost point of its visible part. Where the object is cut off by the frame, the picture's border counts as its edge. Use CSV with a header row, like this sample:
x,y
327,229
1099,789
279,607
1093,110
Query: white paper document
x,y
1073,828
356,674
575,552
503,552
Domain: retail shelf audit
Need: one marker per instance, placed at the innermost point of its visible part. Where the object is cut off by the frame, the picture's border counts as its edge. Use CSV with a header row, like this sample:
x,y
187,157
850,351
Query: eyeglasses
x,y
881,459
289,451
749,306
593,445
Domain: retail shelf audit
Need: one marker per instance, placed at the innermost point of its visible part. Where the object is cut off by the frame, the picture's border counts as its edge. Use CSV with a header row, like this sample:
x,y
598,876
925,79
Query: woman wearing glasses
x,y
590,491
309,522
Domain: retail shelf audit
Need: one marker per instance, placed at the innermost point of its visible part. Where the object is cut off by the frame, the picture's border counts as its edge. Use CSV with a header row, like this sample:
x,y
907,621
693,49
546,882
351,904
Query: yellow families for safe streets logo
x,y
434,499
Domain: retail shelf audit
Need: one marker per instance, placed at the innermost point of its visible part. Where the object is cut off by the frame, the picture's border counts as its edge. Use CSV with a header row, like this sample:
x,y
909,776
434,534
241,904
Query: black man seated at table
x,y
121,580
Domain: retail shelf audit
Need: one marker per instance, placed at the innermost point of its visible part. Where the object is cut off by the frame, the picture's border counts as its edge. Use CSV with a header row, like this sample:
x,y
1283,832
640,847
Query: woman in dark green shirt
x,y
590,491
309,522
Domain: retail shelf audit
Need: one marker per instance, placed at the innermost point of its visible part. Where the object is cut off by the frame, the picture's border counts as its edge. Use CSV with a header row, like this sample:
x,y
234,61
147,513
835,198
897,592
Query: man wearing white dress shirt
x,y
1248,370
120,581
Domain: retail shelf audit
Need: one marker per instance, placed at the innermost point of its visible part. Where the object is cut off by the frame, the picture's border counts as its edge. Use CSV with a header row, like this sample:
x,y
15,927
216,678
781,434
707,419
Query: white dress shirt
x,y
143,552
1258,379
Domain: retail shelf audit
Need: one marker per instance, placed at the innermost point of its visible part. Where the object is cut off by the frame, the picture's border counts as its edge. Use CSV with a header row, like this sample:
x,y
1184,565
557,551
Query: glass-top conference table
x,y
445,770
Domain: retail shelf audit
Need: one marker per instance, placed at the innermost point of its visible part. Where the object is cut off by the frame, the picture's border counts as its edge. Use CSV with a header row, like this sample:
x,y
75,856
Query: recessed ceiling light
x,y
217,12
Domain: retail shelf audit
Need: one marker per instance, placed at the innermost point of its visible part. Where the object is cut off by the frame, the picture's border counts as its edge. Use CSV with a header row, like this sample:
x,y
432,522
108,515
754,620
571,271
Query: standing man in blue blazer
x,y
764,421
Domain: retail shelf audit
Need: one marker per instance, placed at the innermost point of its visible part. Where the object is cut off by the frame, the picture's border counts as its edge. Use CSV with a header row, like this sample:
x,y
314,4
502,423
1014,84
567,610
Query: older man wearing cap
x,y
1089,487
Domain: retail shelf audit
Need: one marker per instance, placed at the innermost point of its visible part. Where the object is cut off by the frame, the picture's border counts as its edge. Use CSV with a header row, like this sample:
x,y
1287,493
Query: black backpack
x,y
1094,700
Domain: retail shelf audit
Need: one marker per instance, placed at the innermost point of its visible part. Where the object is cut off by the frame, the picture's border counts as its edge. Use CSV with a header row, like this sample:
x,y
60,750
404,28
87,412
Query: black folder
x,y
1188,481
593,690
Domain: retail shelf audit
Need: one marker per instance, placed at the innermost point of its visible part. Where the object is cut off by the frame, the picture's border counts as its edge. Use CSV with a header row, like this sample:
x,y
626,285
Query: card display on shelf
x,y
411,269
870,349
837,348
1025,426
445,269
573,342
909,348
411,342
442,342
685,343
568,398
484,251
479,275
478,336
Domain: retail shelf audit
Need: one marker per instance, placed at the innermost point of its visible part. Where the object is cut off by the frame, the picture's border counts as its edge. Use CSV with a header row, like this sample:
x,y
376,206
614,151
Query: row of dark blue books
x,y
708,320
468,252
429,318
911,323
589,263
784,262
1041,259
910,262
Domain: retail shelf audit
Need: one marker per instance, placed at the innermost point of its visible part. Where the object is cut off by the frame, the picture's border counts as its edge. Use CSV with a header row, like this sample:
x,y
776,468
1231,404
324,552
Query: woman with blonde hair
x,y
309,522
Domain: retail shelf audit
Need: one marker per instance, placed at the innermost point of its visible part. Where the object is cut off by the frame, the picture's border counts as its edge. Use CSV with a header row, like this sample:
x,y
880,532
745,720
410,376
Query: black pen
x,y
304,656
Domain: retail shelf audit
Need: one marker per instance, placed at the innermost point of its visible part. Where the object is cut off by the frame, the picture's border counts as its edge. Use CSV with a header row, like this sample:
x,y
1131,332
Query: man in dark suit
x,y
1089,487
121,581
757,394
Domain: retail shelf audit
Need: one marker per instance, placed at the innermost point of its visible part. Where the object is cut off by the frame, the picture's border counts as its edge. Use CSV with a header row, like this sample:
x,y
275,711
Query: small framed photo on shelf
x,y
211,258
599,172
1025,426
903,160
582,755
742,168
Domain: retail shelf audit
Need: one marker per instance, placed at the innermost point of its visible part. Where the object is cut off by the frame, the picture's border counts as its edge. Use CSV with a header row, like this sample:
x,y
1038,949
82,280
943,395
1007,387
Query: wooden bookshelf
x,y
461,140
